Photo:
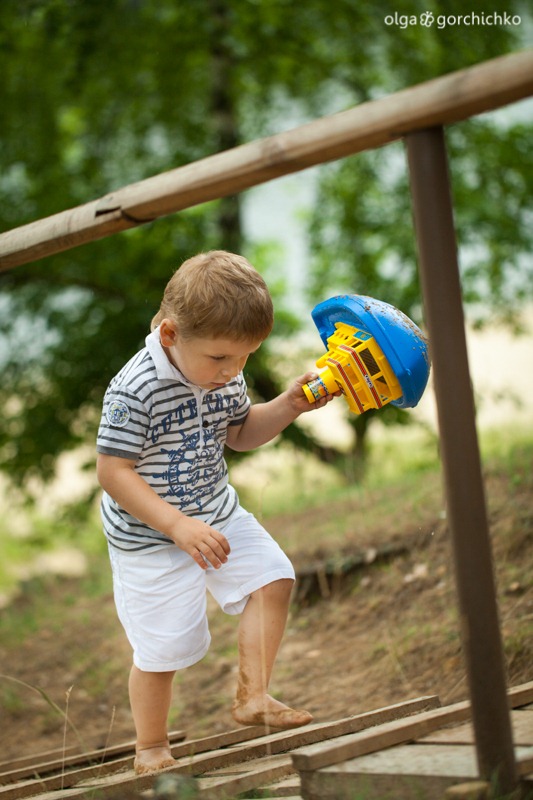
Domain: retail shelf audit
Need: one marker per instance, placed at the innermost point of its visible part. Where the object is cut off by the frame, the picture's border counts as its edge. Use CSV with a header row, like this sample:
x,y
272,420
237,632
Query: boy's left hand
x,y
298,399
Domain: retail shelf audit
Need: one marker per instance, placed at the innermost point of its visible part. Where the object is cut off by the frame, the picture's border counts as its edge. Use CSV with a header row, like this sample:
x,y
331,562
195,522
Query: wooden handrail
x,y
441,101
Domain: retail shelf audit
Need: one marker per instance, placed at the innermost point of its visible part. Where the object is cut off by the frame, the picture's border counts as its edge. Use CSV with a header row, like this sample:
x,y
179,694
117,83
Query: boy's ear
x,y
168,332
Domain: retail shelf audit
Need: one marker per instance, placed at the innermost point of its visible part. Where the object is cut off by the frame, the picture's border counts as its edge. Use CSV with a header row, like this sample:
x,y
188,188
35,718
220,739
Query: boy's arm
x,y
265,420
118,478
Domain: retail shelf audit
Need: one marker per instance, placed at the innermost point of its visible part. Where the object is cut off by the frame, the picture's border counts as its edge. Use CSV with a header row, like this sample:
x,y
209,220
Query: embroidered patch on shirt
x,y
118,414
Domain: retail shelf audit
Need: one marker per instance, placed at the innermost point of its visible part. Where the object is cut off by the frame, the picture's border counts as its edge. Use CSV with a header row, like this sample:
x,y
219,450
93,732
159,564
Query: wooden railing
x,y
442,101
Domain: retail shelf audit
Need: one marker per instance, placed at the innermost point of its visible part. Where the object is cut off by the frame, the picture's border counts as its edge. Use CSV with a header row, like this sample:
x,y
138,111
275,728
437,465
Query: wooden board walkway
x,y
420,757
412,749
225,765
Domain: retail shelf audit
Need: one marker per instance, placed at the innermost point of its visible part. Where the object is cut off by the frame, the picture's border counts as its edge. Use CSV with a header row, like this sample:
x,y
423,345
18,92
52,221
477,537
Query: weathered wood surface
x,y
324,754
471,790
441,101
423,771
246,759
260,771
522,723
288,788
396,760
202,757
58,760
322,579
62,778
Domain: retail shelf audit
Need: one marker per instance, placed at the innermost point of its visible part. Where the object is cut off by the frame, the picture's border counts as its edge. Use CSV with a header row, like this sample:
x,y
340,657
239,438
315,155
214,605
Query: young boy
x,y
174,523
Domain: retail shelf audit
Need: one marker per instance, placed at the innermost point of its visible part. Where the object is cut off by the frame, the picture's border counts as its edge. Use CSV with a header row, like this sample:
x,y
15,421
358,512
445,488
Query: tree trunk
x,y
227,135
224,118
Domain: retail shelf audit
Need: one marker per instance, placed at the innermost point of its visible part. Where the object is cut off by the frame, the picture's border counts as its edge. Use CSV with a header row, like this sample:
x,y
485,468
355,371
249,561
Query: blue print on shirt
x,y
194,470
182,413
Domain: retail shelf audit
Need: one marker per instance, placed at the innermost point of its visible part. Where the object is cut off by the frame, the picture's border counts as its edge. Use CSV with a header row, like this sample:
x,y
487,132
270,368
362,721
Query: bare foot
x,y
151,759
269,712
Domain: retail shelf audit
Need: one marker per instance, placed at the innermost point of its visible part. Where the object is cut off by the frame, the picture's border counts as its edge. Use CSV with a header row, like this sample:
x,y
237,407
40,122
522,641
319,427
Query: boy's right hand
x,y
202,542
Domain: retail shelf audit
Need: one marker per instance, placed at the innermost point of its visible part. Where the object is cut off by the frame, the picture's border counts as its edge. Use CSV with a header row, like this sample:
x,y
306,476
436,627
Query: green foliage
x,y
361,228
98,95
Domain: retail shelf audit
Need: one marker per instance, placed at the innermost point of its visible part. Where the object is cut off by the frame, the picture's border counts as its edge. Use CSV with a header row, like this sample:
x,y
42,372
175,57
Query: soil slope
x,y
384,632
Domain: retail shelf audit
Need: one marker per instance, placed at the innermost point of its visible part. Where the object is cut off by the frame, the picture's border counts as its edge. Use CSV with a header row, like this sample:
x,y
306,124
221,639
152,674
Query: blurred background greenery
x,y
96,95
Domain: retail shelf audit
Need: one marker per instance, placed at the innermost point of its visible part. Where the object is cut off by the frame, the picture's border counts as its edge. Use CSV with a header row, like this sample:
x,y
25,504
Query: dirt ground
x,y
383,633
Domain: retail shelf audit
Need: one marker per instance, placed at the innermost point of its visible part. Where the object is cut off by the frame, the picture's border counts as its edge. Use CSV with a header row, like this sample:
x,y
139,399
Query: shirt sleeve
x,y
123,426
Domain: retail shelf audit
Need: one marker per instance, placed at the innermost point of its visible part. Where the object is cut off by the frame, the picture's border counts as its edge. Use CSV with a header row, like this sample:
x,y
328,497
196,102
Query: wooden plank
x,y
324,754
441,101
524,765
456,761
416,770
240,768
288,787
284,741
471,790
258,772
320,785
413,768
521,721
54,760
36,758
212,788
386,735
62,780
520,695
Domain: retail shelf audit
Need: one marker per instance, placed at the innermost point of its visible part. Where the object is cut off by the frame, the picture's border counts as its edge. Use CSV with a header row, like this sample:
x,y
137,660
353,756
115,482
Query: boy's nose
x,y
231,370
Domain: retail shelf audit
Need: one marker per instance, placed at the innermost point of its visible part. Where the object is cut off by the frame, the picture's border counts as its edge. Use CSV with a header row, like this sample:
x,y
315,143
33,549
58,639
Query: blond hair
x,y
217,295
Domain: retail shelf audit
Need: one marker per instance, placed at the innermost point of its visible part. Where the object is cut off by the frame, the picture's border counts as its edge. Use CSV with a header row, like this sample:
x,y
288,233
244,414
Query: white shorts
x,y
160,594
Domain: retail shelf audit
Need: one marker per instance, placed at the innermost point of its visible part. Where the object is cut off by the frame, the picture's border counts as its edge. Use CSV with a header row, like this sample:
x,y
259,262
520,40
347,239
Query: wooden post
x,y
433,215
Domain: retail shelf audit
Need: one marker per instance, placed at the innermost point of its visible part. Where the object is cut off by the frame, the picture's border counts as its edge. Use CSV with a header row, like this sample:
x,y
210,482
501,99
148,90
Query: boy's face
x,y
208,363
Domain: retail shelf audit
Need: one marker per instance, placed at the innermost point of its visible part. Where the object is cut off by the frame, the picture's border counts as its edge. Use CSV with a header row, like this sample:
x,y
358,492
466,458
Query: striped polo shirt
x,y
175,432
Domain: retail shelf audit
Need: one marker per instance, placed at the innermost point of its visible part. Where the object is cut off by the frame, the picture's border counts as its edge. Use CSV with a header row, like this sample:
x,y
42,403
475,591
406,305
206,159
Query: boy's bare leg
x,y
150,698
260,632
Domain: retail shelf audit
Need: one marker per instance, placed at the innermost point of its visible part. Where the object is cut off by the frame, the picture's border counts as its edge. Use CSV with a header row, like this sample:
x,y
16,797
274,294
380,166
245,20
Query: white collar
x,y
164,367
